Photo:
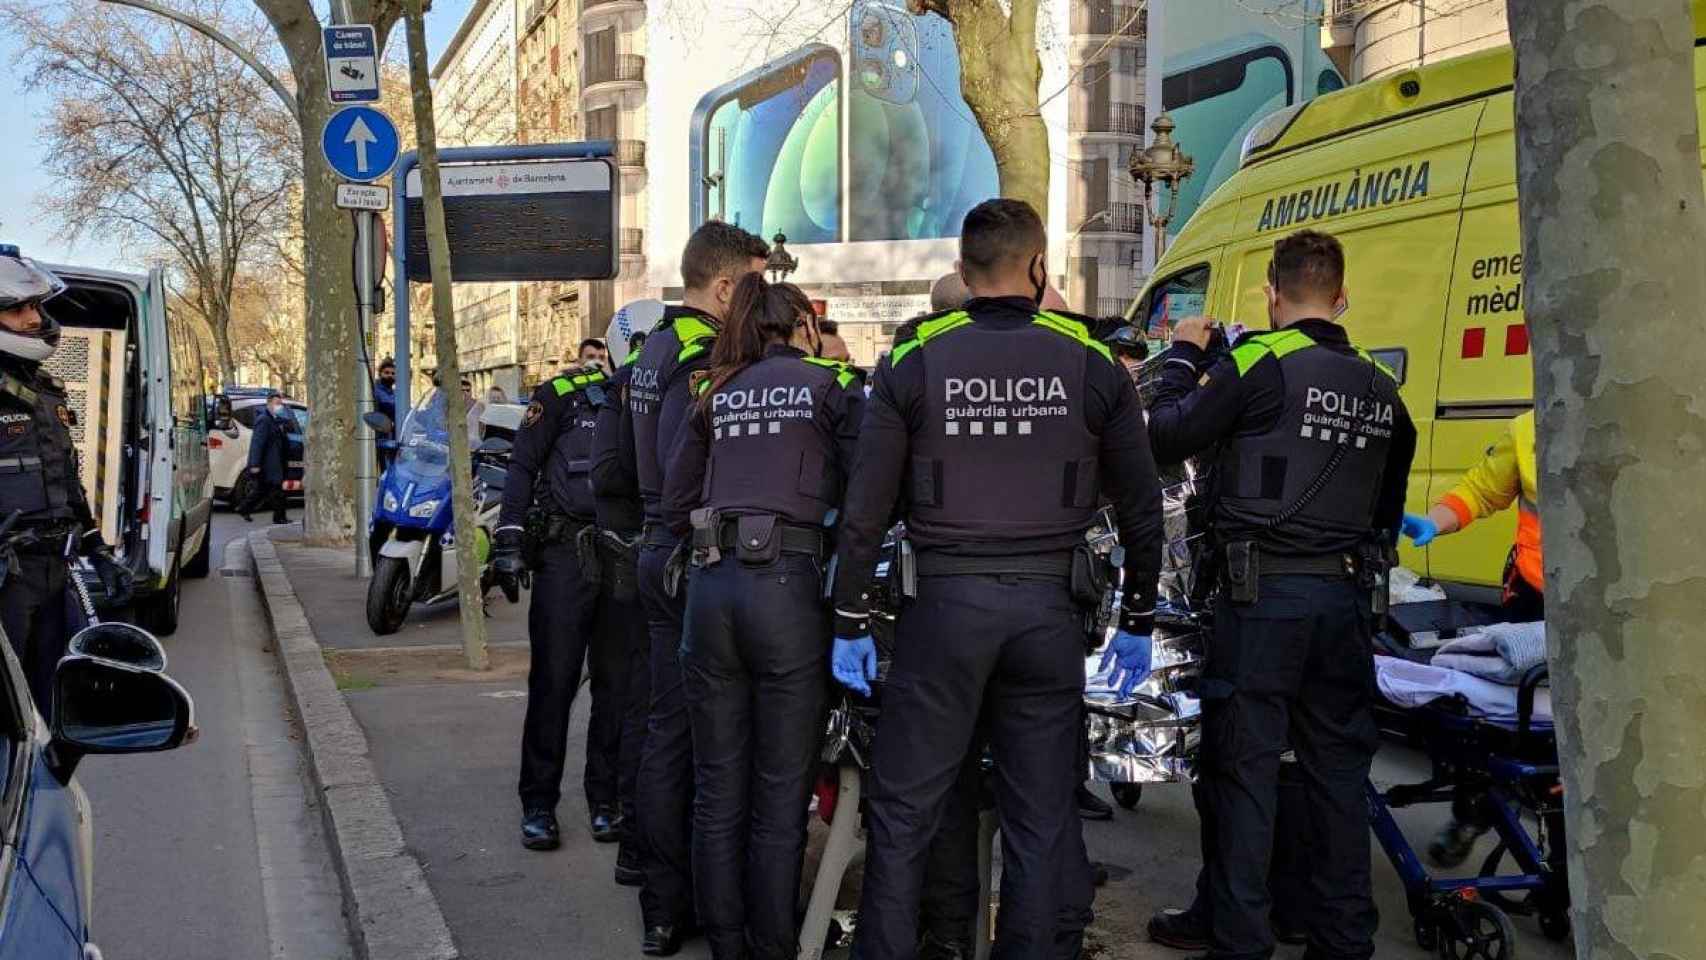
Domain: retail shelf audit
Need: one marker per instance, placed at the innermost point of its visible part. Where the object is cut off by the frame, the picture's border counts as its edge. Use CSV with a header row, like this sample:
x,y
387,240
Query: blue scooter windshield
x,y
425,438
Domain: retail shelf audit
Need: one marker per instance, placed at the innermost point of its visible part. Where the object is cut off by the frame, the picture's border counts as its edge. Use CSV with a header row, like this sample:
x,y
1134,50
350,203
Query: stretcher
x,y
1506,770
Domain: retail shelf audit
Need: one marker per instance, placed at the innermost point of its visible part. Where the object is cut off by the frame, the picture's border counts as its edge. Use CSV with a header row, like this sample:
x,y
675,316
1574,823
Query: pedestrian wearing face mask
x,y
268,452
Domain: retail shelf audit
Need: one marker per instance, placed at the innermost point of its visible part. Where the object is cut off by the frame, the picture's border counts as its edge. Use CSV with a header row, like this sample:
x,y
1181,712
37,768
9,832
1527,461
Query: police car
x,y
230,429
113,696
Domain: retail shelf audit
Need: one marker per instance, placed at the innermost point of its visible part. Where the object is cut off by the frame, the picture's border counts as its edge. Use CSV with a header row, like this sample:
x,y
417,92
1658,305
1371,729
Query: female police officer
x,y
758,475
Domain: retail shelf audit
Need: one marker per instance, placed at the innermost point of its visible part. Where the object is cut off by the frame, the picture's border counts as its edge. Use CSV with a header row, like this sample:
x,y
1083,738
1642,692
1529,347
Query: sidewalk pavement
x,y
445,742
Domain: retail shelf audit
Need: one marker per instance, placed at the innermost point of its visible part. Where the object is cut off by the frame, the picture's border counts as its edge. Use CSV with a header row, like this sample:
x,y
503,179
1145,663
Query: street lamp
x,y
781,262
1161,164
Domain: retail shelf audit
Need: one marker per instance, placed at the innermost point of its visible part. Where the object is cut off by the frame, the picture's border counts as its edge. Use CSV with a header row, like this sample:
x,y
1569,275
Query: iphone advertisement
x,y
854,140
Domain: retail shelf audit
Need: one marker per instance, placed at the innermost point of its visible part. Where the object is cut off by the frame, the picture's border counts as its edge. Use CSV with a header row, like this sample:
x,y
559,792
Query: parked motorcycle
x,y
412,533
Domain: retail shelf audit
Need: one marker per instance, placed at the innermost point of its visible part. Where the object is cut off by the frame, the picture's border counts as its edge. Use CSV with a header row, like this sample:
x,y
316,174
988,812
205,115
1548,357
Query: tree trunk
x,y
1608,167
221,329
1000,73
449,366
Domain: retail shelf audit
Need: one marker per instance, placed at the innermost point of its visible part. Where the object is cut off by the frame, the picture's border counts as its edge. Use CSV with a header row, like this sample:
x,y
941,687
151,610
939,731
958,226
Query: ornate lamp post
x,y
781,262
1161,164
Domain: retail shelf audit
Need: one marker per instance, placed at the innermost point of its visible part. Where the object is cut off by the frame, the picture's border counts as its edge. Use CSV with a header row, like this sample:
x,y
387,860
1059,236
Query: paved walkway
x,y
445,742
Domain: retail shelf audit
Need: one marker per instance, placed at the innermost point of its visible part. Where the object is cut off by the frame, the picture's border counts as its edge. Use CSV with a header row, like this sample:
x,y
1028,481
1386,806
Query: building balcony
x,y
1117,217
632,243
631,154
1120,21
625,69
533,14
590,8
1112,306
1121,119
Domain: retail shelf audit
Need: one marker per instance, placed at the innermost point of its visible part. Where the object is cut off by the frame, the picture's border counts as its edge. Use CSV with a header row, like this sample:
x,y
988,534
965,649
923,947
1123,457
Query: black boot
x,y
1092,807
628,871
1179,929
606,823
539,830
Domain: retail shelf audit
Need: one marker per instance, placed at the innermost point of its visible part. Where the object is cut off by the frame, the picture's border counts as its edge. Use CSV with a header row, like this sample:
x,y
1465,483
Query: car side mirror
x,y
379,422
220,417
110,695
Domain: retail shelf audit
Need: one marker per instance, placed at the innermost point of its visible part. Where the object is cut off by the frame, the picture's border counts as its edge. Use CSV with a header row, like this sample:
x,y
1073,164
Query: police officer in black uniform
x,y
1005,425
621,620
757,477
717,256
548,498
39,481
1312,472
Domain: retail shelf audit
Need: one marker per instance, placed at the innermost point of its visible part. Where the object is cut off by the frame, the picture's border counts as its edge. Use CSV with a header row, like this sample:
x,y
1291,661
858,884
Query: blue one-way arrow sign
x,y
360,143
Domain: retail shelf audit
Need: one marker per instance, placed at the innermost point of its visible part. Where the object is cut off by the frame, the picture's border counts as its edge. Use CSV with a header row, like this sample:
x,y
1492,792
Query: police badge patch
x,y
535,410
66,416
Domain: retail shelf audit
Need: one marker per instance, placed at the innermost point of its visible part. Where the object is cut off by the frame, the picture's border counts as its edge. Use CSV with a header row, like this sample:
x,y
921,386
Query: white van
x,y
140,431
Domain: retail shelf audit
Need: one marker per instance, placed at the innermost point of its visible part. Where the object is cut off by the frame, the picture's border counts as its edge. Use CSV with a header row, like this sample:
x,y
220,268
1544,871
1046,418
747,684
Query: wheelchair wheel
x,y
1475,930
1127,795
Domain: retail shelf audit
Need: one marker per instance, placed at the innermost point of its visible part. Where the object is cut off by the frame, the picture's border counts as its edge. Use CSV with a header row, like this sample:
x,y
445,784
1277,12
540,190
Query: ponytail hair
x,y
760,314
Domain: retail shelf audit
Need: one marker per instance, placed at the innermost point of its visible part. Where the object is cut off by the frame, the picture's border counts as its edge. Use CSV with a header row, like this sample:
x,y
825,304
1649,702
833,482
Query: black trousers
x,y
35,612
1011,648
616,625
755,653
560,620
949,903
1288,873
264,496
623,626
663,792
1295,665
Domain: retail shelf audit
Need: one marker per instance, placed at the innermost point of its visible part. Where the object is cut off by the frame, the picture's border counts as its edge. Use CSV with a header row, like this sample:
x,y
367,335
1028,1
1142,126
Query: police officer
x,y
717,256
1315,456
621,620
758,474
39,482
548,496
1004,425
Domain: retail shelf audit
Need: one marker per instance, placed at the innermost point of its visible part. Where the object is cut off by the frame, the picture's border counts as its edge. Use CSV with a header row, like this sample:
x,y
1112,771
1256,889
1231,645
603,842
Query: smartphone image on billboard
x,y
1215,103
917,160
765,149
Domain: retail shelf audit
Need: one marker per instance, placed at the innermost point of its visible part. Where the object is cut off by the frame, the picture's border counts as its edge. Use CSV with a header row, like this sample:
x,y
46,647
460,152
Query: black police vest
x,y
687,337
771,449
1271,486
38,463
1004,451
568,470
619,513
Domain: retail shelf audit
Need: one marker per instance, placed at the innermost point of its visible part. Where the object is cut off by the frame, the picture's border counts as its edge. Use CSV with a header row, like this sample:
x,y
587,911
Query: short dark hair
x,y
387,362
999,233
589,342
719,249
1307,265
828,327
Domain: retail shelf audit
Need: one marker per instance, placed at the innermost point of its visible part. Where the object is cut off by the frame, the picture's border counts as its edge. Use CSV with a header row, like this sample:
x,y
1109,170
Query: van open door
x,y
156,500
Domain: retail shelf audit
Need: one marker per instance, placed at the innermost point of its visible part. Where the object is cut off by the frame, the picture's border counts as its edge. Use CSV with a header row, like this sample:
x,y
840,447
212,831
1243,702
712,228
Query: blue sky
x,y
21,179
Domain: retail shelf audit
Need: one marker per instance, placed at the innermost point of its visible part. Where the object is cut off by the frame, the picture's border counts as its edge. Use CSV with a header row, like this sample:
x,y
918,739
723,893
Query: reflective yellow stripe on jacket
x,y
1504,476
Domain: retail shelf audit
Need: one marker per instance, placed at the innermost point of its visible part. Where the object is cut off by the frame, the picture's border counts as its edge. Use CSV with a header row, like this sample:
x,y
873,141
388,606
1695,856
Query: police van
x,y
1416,175
140,428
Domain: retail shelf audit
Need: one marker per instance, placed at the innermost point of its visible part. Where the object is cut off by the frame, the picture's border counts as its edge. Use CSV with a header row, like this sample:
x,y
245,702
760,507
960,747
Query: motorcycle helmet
x,y
1127,341
23,281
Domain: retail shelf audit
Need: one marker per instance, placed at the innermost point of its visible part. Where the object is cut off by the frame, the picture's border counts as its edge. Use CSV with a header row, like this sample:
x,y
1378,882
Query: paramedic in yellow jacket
x,y
1505,475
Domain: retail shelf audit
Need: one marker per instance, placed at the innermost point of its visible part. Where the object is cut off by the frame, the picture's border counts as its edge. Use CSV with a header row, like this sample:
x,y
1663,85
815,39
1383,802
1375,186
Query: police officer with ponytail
x,y
1313,462
1005,425
756,481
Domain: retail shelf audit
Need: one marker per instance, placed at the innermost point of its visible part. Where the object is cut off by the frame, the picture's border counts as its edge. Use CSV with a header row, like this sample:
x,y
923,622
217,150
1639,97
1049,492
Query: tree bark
x,y
449,367
1608,168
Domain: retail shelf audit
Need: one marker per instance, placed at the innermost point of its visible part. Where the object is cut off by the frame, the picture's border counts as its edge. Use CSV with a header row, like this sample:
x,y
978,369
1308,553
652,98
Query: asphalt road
x,y
214,851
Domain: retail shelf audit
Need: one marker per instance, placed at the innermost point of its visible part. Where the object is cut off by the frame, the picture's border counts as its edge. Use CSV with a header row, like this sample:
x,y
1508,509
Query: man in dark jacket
x,y
269,447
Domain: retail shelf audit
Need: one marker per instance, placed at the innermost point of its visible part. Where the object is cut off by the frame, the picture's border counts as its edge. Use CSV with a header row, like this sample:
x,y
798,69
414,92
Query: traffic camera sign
x,y
352,64
360,143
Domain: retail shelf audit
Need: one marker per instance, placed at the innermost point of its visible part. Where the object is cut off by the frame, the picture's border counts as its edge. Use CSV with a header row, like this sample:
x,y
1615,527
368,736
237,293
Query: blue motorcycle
x,y
411,533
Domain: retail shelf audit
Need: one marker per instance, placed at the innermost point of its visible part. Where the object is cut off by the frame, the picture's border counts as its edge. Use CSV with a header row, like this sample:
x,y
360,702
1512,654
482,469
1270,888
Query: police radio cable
x,y
1329,468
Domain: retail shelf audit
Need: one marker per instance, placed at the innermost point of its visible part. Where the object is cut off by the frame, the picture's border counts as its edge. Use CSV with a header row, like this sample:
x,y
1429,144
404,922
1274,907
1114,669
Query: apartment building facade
x,y
1376,38
1107,120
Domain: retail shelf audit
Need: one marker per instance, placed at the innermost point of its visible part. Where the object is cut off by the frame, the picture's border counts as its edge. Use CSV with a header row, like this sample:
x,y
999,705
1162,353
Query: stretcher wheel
x,y
1555,925
1127,795
1475,930
1427,935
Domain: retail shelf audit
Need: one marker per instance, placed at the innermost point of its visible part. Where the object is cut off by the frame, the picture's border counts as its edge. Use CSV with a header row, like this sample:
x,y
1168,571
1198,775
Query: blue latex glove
x,y
1421,530
854,663
1130,653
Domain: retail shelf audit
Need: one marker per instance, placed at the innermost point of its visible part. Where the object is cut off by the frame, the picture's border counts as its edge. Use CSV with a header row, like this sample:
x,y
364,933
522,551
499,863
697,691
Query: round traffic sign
x,y
360,143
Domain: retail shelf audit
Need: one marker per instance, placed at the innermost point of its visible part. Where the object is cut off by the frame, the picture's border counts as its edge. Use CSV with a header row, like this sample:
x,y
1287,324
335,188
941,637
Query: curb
x,y
392,913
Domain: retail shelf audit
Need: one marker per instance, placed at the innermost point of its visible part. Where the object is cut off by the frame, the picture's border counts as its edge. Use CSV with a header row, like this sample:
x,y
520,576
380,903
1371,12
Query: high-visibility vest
x,y
1504,476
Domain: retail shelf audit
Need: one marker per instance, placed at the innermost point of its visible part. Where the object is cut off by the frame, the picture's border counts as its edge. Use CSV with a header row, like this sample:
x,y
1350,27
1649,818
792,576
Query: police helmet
x,y
1127,341
24,281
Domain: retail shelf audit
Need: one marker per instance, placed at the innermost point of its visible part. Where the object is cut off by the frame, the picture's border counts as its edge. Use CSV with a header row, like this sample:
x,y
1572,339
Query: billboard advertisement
x,y
1225,64
843,128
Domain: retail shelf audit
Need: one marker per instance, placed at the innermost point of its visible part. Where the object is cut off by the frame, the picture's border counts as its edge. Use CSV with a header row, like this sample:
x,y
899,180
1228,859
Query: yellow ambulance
x,y
1416,175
